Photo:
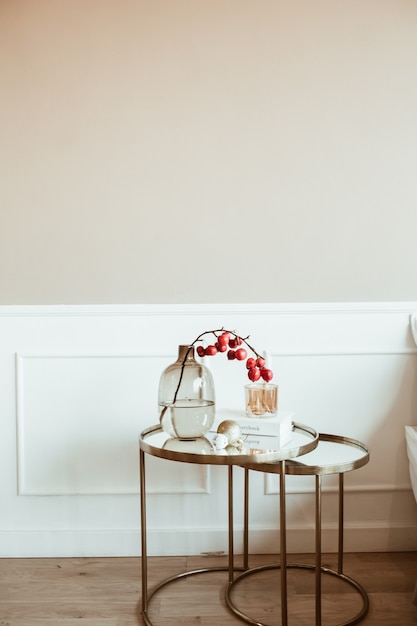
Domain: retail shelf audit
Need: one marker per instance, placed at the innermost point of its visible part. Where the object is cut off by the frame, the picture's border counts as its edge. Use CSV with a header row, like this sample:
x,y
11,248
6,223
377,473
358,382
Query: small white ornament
x,y
220,441
229,437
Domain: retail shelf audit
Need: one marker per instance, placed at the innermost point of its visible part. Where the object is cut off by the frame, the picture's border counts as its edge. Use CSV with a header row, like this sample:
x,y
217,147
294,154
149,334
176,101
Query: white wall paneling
x,y
78,384
77,419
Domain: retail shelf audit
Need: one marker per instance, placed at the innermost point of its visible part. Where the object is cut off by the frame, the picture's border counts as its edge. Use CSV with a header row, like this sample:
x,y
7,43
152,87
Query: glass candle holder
x,y
261,399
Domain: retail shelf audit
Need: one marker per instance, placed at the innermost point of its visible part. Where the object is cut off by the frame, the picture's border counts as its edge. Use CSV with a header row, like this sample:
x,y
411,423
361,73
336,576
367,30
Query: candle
x,y
268,360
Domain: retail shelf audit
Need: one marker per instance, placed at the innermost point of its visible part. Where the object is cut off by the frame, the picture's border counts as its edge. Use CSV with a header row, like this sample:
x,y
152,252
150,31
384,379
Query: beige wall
x,y
207,151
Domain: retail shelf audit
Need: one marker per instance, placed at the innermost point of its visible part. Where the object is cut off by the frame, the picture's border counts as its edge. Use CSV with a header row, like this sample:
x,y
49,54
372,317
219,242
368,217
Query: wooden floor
x,y
107,591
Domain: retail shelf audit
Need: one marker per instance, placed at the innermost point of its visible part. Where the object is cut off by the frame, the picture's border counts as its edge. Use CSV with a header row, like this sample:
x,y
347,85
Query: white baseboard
x,y
127,543
266,541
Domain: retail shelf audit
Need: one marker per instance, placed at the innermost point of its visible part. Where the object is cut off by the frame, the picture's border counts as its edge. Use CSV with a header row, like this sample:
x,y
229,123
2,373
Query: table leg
x,y
318,550
246,521
283,547
341,531
144,553
231,545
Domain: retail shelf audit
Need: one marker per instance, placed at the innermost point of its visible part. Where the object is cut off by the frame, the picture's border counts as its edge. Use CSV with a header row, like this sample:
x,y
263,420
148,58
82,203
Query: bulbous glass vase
x,y
186,397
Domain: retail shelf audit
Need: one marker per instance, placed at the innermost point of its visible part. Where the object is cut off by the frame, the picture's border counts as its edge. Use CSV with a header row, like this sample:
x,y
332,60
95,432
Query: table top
x,y
334,454
156,442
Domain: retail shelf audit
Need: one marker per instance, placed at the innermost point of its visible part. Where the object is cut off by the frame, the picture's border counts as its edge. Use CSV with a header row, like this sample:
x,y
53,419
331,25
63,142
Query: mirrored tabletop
x,y
334,454
264,449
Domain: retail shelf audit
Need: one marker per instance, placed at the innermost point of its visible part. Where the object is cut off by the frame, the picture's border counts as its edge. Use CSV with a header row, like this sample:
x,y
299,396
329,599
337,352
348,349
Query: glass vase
x,y
186,397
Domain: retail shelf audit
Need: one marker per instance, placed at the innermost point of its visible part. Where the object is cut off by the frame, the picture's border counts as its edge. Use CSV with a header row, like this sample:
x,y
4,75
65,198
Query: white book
x,y
278,425
266,442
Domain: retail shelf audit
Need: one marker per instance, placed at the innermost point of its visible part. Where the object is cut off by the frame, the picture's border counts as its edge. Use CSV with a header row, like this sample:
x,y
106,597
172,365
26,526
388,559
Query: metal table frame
x,y
284,462
301,468
255,458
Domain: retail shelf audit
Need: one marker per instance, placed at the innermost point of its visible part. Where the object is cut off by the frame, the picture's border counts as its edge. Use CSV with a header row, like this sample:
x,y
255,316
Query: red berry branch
x,y
231,343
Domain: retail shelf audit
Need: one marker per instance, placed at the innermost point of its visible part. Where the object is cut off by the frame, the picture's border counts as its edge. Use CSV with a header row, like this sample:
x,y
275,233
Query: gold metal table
x,y
333,455
153,441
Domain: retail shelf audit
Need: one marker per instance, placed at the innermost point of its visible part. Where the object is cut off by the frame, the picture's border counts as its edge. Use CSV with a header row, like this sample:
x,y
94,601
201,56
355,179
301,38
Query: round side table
x,y
333,455
154,442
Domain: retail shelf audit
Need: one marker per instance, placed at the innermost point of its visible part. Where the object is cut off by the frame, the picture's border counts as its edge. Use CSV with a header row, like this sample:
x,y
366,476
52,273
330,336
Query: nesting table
x,y
307,453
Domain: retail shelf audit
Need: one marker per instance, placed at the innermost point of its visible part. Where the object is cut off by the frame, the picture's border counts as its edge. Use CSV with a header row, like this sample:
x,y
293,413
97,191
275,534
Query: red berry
x,y
241,354
221,347
267,374
223,339
201,351
260,362
231,355
254,374
235,342
250,363
210,350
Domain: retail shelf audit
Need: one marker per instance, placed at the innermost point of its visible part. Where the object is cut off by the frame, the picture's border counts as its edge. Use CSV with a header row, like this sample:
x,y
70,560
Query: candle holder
x,y
261,399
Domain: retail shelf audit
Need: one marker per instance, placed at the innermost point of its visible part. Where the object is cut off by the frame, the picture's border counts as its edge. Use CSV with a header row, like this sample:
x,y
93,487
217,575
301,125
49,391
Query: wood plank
x,y
107,591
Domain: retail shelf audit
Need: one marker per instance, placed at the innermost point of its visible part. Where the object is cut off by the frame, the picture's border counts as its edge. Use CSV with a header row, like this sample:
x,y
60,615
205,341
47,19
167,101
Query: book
x,y
266,442
278,425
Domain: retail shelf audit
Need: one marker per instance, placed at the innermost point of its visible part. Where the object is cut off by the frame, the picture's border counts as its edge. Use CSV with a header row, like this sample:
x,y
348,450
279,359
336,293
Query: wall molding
x,y
199,475
331,308
321,352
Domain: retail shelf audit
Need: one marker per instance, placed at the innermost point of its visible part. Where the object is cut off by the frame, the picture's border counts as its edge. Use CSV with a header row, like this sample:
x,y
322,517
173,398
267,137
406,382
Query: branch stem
x,y
216,333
